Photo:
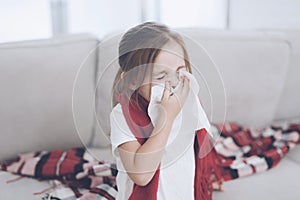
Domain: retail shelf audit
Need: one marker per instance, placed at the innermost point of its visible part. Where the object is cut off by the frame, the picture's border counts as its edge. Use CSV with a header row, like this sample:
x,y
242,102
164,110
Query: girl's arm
x,y
142,161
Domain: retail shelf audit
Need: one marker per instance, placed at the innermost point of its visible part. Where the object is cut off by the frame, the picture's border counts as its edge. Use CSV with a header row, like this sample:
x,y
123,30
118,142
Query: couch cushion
x,y
20,189
281,182
36,85
252,66
289,104
294,154
101,154
106,71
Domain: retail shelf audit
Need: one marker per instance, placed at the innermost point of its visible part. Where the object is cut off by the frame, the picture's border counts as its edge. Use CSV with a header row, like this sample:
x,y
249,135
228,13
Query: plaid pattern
x,y
72,169
74,174
64,192
244,151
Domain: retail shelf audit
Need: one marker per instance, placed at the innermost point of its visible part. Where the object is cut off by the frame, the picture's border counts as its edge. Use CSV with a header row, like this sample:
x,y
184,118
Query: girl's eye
x,y
160,78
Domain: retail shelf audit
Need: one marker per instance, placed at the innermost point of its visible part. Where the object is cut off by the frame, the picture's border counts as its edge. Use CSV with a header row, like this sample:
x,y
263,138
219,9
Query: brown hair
x,y
140,46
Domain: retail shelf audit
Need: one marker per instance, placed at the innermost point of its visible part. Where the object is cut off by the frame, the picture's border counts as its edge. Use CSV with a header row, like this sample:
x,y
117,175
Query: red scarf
x,y
138,120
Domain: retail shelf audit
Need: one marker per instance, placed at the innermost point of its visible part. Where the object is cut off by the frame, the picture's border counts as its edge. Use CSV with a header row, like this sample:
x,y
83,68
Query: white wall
x,y
31,19
24,20
264,14
199,13
101,17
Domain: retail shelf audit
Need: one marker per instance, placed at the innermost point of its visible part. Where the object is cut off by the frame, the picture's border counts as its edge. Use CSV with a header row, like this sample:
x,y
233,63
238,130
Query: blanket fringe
x,y
45,190
14,179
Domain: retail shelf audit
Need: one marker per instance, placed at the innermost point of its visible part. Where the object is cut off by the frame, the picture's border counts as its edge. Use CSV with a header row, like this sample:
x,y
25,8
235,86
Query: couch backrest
x,y
242,82
253,66
36,83
289,104
106,70
241,75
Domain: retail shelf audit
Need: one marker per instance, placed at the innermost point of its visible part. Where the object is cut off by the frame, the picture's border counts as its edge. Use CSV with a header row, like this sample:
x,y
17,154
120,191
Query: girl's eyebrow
x,y
164,71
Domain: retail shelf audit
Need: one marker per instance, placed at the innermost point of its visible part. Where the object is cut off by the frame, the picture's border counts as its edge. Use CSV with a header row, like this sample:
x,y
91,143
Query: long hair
x,y
138,49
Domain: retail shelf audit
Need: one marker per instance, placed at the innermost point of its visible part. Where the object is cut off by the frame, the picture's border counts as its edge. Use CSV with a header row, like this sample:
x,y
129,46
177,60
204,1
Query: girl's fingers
x,y
167,90
184,89
183,81
185,85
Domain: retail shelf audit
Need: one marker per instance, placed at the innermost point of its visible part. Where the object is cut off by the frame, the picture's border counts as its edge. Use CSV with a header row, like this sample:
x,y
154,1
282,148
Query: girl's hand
x,y
173,102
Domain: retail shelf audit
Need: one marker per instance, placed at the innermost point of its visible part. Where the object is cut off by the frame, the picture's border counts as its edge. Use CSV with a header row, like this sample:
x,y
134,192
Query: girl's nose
x,y
174,81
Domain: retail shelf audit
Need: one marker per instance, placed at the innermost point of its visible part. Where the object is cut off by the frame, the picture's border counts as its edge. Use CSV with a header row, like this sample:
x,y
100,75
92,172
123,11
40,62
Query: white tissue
x,y
191,118
192,102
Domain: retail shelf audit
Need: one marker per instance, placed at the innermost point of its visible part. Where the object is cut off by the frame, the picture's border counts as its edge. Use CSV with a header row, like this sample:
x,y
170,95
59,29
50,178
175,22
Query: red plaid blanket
x,y
75,172
76,175
244,151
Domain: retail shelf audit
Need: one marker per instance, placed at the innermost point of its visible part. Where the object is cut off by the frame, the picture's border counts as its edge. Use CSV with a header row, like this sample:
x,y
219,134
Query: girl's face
x,y
166,68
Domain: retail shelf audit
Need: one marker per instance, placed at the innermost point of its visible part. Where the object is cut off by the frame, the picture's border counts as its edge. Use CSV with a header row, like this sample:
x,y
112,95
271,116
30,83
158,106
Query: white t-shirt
x,y
176,181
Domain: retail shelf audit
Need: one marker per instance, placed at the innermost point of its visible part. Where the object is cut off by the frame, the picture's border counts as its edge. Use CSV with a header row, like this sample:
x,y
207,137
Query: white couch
x,y
56,94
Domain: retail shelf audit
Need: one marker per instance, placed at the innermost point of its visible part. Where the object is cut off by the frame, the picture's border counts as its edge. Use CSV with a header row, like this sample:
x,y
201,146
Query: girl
x,y
137,144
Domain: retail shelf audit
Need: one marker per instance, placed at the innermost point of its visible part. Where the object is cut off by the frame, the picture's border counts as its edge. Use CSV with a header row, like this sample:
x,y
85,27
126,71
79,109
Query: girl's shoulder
x,y
116,113
117,109
119,129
